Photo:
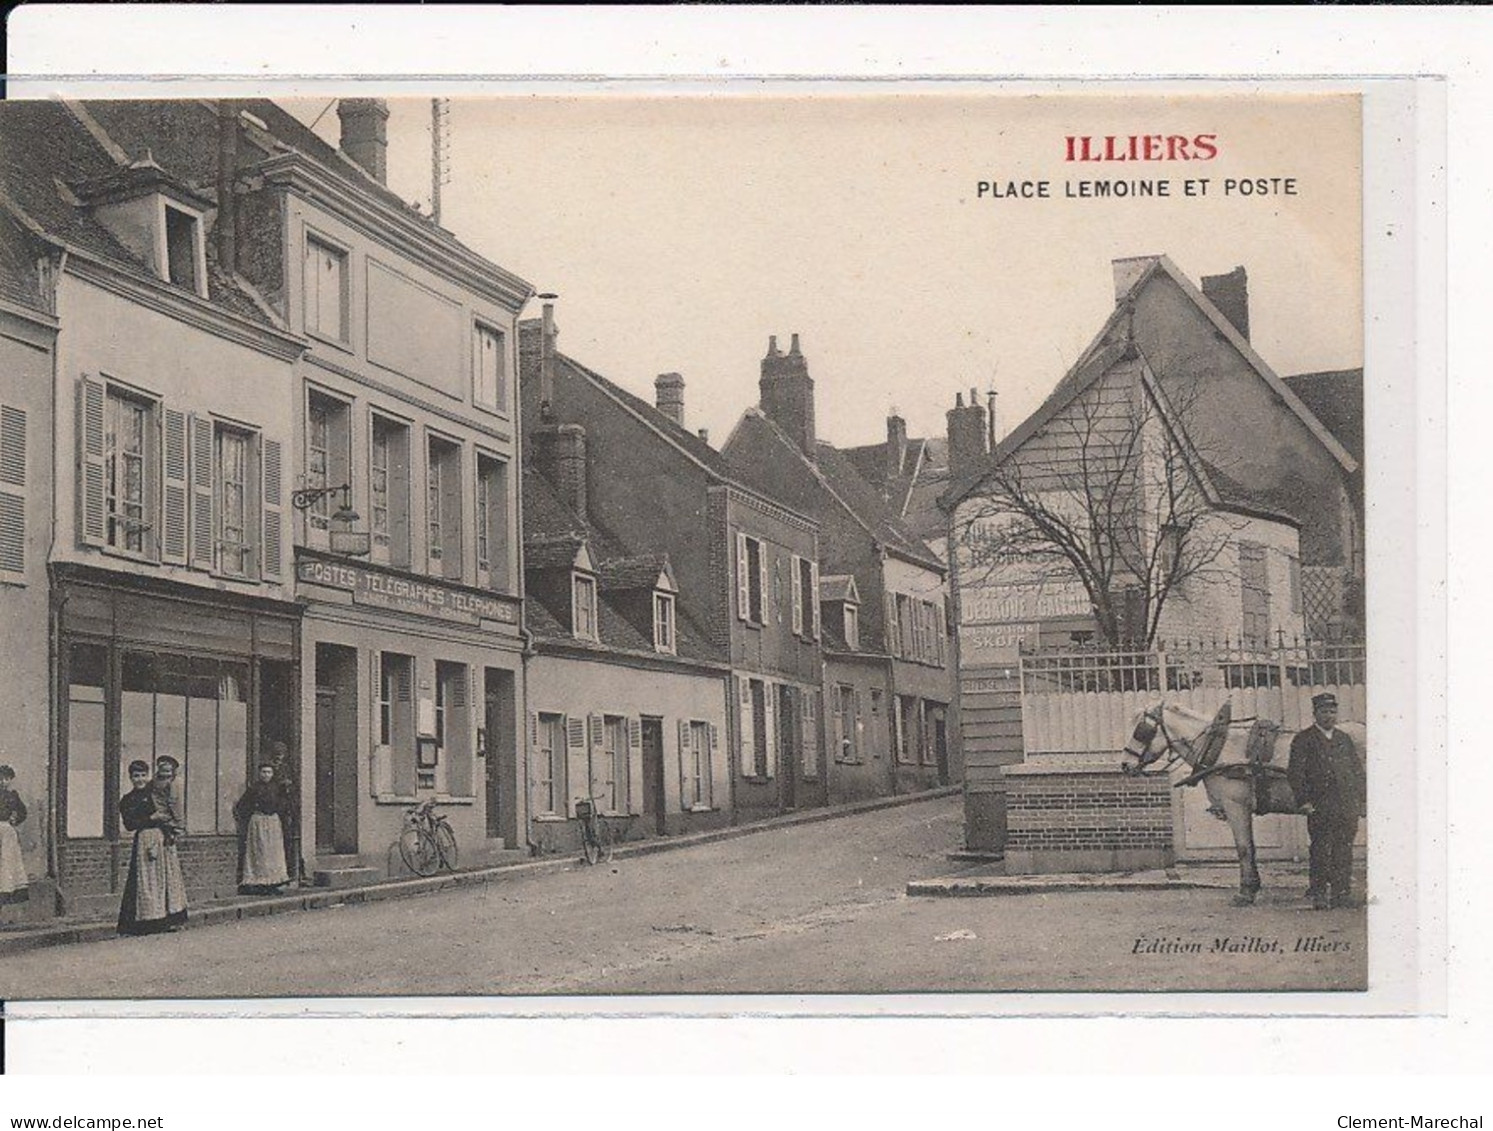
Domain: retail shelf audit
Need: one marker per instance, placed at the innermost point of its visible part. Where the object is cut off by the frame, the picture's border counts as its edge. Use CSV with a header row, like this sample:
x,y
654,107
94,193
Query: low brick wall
x,y
1086,818
97,867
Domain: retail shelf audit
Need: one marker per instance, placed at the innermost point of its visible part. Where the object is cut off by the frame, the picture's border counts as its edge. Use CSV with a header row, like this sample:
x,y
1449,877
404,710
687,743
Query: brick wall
x,y
95,867
1087,820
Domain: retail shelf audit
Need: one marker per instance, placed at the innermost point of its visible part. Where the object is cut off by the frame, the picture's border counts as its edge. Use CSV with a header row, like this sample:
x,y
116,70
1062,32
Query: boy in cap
x,y
1326,775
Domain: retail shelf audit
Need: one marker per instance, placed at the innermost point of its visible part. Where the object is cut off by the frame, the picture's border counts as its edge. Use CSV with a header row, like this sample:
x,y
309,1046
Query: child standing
x,y
13,882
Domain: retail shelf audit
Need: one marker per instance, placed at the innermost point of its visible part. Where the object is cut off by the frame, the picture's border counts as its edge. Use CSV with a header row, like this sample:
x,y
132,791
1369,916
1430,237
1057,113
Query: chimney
x,y
787,393
896,444
990,421
547,335
365,134
969,438
1230,293
668,391
559,453
223,226
1128,271
704,434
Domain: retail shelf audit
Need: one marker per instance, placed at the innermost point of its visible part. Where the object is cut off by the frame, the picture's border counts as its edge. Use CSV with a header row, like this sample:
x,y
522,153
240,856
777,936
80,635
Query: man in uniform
x,y
1326,775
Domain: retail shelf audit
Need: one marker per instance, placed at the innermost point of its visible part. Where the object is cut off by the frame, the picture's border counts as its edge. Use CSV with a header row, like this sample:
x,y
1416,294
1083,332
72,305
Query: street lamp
x,y
341,537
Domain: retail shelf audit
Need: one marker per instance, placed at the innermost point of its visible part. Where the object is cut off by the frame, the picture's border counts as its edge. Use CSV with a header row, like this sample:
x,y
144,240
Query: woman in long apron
x,y
14,885
155,894
263,845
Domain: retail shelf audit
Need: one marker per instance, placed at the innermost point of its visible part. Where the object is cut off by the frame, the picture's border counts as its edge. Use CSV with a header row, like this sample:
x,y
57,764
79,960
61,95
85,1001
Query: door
x,y
941,746
500,756
654,807
788,745
326,761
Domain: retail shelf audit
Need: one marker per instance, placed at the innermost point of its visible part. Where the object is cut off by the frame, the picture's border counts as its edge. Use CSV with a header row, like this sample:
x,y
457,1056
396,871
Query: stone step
x,y
336,878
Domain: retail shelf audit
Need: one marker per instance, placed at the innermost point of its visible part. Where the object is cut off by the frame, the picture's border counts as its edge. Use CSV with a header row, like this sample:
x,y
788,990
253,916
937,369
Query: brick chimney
x,y
668,389
559,454
224,226
787,393
1230,293
365,134
896,444
969,437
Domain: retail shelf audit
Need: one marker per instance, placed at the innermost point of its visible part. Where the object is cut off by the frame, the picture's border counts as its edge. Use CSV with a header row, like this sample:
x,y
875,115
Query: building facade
x,y
890,596
406,441
746,565
628,695
173,629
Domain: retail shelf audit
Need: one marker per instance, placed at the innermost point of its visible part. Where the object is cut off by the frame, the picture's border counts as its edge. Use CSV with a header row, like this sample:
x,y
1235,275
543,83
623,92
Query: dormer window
x,y
663,623
853,627
583,607
183,247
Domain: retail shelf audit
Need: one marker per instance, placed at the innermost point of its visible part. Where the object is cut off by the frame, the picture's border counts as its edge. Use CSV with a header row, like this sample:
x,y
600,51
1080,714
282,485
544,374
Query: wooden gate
x,y
1079,706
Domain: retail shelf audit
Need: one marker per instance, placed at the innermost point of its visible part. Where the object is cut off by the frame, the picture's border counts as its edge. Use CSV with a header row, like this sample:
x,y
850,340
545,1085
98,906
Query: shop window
x,y
697,741
907,729
389,492
548,735
492,524
194,710
443,507
87,786
325,285
490,362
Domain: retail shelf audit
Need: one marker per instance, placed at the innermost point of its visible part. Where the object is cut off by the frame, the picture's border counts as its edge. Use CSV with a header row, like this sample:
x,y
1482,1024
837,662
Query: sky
x,y
681,231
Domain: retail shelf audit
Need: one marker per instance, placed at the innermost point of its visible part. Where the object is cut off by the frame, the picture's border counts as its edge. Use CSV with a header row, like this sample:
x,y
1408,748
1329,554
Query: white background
x,y
1383,1058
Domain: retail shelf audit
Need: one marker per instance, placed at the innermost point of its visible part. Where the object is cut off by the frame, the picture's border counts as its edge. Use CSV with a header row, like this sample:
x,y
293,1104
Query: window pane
x,y
85,741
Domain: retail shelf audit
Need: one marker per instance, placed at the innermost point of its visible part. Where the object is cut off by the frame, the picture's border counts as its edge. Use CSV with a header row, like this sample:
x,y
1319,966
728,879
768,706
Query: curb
x,y
319,900
957,887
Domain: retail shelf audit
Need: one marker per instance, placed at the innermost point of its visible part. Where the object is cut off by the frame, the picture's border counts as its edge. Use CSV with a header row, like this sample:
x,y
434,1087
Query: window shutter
x,y
811,733
596,730
686,753
770,727
204,528
634,764
748,731
402,736
575,760
798,596
174,486
743,580
12,490
893,629
458,752
814,595
92,520
764,579
271,548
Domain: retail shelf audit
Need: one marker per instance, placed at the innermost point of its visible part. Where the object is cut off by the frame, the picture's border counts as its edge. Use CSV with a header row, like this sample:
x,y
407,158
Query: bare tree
x,y
1108,495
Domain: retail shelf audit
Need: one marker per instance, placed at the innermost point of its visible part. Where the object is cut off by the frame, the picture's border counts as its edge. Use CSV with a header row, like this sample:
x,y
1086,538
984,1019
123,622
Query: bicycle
x,y
598,833
427,843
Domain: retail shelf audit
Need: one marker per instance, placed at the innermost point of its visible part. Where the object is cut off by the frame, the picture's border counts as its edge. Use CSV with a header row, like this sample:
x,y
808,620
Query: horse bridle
x,y
1153,723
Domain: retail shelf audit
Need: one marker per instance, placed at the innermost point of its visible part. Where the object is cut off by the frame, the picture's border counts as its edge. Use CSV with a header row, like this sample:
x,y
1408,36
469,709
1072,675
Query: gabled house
x,y
893,688
746,564
1172,436
169,579
627,694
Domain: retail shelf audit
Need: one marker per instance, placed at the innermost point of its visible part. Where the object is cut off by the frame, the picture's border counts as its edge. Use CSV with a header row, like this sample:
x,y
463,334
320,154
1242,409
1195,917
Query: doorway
x,y
655,808
788,745
500,754
336,749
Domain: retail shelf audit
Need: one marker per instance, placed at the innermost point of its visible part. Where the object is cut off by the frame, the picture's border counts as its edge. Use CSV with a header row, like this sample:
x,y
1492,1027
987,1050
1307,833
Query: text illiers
x,y
1140,147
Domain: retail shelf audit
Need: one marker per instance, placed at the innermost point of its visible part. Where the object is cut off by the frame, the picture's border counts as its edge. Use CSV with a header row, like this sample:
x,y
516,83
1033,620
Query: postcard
x,y
701,545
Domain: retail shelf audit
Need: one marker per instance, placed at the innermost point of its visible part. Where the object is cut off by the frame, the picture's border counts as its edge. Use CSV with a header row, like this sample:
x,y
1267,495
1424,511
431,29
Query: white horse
x,y
1240,763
